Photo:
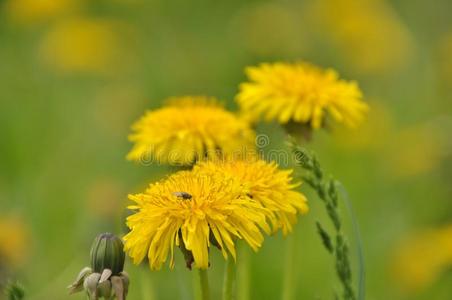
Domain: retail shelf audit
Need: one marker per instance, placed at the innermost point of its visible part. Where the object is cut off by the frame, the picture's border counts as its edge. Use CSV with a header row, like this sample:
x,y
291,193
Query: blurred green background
x,y
74,74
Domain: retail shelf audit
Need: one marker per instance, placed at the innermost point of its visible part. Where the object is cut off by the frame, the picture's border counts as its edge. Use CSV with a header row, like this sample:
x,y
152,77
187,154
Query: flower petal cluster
x,y
192,211
189,129
266,184
300,93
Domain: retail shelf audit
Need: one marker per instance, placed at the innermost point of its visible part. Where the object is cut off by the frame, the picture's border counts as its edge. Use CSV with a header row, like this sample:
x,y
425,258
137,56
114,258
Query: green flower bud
x,y
107,253
106,278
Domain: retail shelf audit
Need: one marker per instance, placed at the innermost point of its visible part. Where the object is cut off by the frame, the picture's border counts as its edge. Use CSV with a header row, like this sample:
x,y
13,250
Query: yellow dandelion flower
x,y
266,184
302,93
361,29
29,12
420,259
189,129
192,211
444,59
373,133
84,45
417,149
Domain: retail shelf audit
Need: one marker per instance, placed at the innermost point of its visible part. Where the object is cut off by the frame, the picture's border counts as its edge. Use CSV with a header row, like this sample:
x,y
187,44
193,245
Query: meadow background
x,y
74,74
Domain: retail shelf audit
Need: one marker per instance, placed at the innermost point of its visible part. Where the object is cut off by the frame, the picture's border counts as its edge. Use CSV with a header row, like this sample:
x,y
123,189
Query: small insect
x,y
183,195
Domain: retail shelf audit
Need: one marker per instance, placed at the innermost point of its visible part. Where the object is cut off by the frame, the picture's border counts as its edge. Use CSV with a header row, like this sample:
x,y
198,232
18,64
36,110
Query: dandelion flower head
x,y
30,12
189,129
300,93
14,241
268,185
420,259
192,211
86,45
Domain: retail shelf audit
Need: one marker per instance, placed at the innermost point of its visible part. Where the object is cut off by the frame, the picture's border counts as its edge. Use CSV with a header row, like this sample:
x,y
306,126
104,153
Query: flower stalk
x,y
243,274
229,279
204,283
289,270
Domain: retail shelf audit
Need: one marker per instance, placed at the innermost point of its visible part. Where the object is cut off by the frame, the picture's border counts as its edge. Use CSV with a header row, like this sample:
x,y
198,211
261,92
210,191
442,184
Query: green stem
x,y
229,279
243,273
289,270
204,282
147,284
359,246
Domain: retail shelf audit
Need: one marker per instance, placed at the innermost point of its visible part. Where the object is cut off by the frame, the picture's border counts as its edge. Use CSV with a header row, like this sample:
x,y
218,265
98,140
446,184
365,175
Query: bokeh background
x,y
74,74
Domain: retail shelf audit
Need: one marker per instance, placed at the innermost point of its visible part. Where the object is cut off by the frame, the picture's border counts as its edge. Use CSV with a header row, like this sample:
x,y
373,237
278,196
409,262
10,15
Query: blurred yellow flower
x,y
445,59
419,260
83,45
368,33
302,93
14,241
266,184
373,134
189,129
193,211
35,11
104,199
269,28
418,149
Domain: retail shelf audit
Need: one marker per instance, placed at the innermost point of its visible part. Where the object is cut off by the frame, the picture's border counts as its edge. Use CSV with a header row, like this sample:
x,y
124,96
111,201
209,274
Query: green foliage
x,y
325,238
14,291
327,191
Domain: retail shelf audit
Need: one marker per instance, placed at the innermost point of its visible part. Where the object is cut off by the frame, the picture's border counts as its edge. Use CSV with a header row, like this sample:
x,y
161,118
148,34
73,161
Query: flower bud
x,y
107,253
90,285
77,285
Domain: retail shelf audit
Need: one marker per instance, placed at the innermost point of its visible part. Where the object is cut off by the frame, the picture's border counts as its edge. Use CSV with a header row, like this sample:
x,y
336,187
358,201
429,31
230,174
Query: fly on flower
x,y
183,195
